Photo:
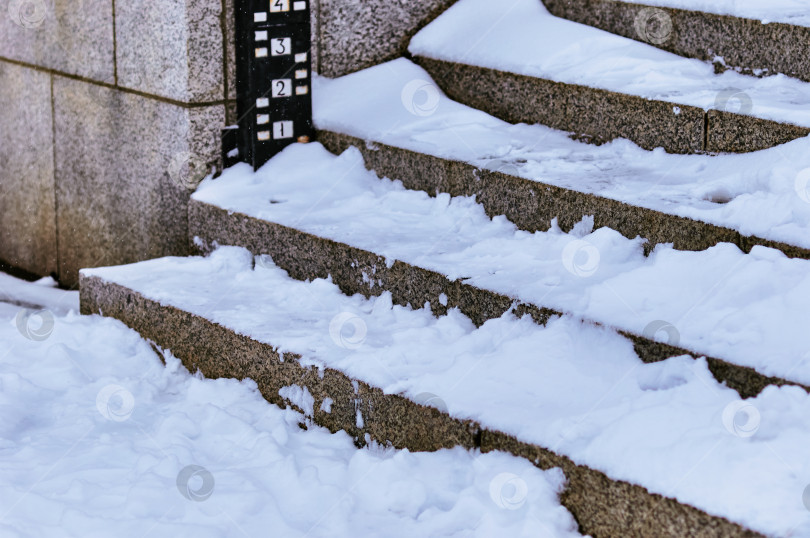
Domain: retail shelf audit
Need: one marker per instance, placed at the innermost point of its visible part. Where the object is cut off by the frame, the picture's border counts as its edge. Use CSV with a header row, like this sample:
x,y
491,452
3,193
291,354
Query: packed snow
x,y
786,11
521,36
766,193
99,438
749,309
575,388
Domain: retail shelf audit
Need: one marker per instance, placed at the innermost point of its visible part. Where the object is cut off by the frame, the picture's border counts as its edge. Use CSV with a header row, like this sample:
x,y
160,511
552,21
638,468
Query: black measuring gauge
x,y
274,77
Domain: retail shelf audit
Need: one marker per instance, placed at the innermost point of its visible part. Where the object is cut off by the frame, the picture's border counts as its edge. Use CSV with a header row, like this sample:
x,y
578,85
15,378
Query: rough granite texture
x,y
744,44
602,506
353,270
133,206
27,206
356,34
600,115
171,48
532,204
71,36
606,507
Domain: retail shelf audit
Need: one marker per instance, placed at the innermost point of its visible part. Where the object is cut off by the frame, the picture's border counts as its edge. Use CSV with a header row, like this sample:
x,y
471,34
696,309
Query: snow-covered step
x,y
330,216
751,36
408,130
520,63
565,395
99,438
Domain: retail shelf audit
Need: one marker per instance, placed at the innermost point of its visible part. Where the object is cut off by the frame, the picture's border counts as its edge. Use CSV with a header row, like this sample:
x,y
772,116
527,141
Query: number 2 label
x,y
281,46
282,87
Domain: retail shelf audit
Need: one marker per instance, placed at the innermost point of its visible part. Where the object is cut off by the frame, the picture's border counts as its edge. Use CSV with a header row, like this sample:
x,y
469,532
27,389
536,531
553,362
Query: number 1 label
x,y
282,129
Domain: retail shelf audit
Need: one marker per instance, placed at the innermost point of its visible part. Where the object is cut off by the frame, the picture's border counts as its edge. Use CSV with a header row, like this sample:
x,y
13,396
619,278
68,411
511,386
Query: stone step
x,y
372,236
763,39
524,65
646,449
407,130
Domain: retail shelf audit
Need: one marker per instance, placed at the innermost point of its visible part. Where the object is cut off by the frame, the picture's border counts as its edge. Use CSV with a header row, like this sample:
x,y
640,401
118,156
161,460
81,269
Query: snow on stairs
x,y
753,37
407,130
648,449
522,64
567,395
370,236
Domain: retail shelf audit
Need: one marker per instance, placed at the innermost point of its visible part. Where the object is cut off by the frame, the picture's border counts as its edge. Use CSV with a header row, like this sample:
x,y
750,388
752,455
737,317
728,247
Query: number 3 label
x,y
281,46
282,87
277,6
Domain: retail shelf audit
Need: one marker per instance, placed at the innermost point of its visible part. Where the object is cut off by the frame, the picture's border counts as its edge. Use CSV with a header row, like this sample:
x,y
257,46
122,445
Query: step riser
x,y
306,257
531,205
743,43
602,115
602,507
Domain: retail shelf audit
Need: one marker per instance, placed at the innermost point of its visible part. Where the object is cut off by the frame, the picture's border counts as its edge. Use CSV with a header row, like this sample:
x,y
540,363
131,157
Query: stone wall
x,y
110,112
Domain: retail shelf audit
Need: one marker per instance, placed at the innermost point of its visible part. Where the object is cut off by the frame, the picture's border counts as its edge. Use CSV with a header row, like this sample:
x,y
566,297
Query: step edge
x,y
479,304
99,295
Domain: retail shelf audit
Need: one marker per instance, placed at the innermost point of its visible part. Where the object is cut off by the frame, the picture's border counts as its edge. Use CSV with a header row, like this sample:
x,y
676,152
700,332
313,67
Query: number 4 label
x,y
282,87
282,129
281,46
277,6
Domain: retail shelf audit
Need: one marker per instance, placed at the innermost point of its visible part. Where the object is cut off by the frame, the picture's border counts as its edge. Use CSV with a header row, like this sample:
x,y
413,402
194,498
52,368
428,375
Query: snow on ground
x,y
42,294
578,389
766,193
787,11
98,438
748,309
522,37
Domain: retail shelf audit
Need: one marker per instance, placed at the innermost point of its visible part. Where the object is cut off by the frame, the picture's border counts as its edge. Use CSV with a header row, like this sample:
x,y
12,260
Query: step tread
x,y
793,12
766,194
576,389
524,38
747,309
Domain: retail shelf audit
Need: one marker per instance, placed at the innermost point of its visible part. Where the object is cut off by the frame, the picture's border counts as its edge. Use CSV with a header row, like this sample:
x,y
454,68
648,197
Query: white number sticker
x,y
263,135
301,90
277,6
282,129
282,87
281,46
262,102
262,119
301,73
299,6
261,35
